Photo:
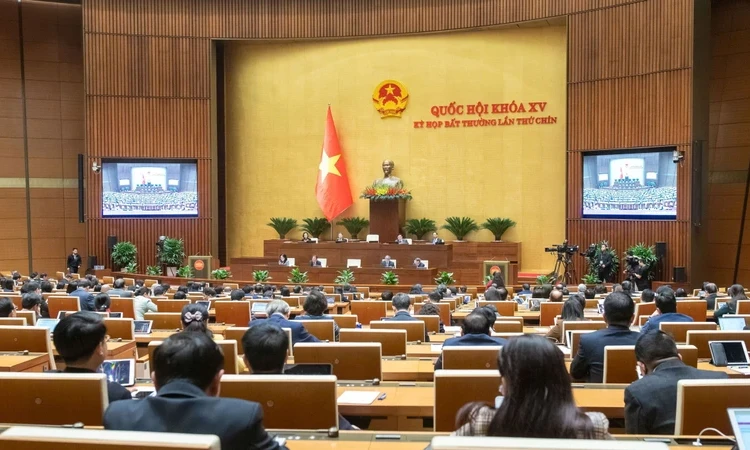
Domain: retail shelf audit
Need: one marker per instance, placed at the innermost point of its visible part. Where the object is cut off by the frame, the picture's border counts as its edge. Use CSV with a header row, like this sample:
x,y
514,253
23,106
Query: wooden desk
x,y
33,362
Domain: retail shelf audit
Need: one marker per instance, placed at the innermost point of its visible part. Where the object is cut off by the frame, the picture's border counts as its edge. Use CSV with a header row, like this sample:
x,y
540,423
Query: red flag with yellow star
x,y
332,189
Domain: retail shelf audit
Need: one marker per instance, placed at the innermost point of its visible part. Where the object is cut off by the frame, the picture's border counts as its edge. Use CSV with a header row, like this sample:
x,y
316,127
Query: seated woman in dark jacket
x,y
315,307
735,292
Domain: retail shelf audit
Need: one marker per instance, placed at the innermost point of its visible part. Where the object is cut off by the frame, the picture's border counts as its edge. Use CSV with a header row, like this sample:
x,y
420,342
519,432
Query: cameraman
x,y
636,273
605,263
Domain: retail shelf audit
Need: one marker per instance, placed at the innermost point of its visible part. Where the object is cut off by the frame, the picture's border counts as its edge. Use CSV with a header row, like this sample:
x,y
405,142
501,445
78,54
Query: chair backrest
x,y
284,404
108,280
548,311
443,307
13,321
52,438
172,306
572,325
414,329
30,316
744,316
471,358
508,326
372,238
354,263
60,303
149,283
293,302
228,347
700,339
237,312
743,306
678,330
620,362
432,323
34,339
473,385
164,321
16,299
369,310
693,308
350,361
345,320
321,329
504,308
119,328
575,341
393,342
704,403
46,398
643,309
122,305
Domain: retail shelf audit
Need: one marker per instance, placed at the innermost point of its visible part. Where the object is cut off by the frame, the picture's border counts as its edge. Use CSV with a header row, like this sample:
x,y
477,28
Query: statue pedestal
x,y
387,217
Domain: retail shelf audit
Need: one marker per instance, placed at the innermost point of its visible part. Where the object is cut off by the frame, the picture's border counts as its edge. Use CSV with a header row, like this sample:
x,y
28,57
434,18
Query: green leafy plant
x,y
419,227
124,254
153,270
220,274
445,278
296,276
460,226
345,276
390,278
541,280
647,254
132,267
172,252
185,272
595,257
354,225
498,226
316,226
282,225
590,278
261,276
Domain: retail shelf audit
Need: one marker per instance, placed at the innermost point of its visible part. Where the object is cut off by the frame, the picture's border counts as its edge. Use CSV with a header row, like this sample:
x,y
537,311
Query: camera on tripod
x,y
562,249
590,252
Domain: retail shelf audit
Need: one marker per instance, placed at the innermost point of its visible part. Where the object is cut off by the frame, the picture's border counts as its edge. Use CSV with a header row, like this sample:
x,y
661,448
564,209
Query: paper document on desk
x,y
451,329
358,397
436,347
744,371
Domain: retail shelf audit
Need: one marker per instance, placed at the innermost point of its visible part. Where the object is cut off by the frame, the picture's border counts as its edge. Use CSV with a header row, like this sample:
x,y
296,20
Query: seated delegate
x,y
476,332
316,306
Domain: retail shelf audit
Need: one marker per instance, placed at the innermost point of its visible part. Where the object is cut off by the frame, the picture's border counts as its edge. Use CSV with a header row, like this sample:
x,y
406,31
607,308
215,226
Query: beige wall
x,y
276,101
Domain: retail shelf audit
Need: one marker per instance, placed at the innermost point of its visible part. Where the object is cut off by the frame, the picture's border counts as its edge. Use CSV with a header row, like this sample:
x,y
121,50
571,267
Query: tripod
x,y
564,263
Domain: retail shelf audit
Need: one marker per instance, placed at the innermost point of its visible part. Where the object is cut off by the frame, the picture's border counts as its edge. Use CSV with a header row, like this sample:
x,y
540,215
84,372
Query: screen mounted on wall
x,y
147,188
638,183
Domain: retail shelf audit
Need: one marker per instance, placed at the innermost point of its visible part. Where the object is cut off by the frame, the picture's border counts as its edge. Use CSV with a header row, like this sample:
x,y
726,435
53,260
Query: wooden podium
x,y
201,266
387,217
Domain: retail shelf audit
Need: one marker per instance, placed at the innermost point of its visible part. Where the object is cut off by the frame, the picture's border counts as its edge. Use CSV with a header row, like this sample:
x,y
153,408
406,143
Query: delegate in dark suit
x,y
468,340
73,262
651,402
316,264
387,263
711,302
588,364
85,299
406,317
299,332
181,407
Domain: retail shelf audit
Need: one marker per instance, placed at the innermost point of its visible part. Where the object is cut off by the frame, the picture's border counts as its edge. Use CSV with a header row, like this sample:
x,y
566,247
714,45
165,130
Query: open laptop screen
x,y
732,323
259,307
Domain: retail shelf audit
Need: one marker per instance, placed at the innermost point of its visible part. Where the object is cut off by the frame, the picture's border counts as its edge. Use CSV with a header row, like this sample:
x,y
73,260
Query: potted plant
x,y
354,225
541,280
419,227
389,278
345,276
296,276
124,254
498,226
590,279
261,276
282,225
185,272
645,253
153,270
316,226
220,274
171,254
460,226
132,267
445,278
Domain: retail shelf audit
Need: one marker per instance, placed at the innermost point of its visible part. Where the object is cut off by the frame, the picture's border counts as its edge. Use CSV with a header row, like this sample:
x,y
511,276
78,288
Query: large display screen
x,y
145,188
630,184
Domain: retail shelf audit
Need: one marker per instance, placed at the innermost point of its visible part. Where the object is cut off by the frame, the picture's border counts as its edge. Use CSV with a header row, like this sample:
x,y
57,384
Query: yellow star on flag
x,y
328,165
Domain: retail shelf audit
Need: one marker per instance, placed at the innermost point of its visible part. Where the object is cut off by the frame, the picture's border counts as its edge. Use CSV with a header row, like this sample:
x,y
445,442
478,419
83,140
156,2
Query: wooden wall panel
x,y
630,84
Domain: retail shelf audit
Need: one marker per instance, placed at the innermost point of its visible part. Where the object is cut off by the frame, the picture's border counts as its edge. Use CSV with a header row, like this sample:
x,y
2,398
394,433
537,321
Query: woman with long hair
x,y
571,311
735,292
537,398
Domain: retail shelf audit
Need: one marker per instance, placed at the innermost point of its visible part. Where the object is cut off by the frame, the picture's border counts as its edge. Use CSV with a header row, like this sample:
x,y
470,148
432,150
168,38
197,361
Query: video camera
x,y
632,260
562,249
590,252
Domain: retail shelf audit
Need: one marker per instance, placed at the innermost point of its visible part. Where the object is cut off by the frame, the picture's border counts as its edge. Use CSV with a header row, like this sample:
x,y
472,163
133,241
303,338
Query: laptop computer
x,y
142,326
48,323
115,315
732,354
206,303
330,300
740,419
732,323
308,369
121,371
62,314
259,307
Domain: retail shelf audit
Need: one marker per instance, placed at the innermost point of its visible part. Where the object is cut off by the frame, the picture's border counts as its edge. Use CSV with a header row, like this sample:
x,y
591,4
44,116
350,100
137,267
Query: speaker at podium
x,y
201,266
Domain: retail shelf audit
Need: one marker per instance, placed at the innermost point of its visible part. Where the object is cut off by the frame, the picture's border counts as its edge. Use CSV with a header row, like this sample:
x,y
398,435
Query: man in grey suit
x,y
386,262
119,289
651,402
